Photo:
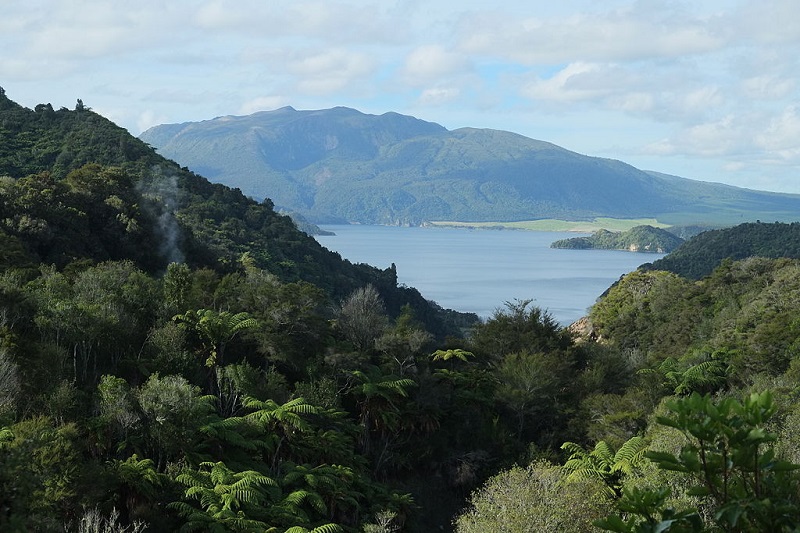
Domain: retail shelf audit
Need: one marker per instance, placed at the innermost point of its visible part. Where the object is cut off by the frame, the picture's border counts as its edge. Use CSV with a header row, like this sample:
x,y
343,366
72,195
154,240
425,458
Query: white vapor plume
x,y
162,191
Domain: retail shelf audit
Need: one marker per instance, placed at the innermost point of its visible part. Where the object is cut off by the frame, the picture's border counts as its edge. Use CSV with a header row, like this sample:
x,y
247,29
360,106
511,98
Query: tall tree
x,y
362,318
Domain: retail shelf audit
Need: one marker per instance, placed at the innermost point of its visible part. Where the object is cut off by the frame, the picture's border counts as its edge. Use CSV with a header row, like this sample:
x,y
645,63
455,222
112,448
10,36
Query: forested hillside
x,y
701,434
78,188
700,255
174,355
177,357
638,239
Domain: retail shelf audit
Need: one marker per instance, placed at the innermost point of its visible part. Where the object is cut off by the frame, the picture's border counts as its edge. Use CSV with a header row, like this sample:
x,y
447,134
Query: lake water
x,y
478,270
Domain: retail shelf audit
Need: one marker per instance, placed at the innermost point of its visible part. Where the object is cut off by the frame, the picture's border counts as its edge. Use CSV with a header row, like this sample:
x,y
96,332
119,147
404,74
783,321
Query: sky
x,y
708,90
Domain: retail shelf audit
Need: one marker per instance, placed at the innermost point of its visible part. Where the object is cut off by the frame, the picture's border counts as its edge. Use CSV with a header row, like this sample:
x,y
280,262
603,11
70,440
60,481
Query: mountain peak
x,y
341,165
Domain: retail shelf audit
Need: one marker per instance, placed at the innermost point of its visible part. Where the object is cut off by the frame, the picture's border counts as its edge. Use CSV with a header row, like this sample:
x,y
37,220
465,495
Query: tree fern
x,y
226,497
270,413
630,455
327,528
602,463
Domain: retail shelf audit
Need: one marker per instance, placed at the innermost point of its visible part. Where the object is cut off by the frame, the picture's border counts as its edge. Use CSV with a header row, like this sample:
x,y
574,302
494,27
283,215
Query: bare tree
x,y
362,318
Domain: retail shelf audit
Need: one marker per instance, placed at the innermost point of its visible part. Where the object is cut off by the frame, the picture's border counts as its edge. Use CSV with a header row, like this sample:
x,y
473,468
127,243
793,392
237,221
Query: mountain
x,y
638,239
77,190
341,165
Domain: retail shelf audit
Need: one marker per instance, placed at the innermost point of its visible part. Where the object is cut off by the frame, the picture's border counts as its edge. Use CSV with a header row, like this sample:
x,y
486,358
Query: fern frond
x,y
603,452
629,455
574,449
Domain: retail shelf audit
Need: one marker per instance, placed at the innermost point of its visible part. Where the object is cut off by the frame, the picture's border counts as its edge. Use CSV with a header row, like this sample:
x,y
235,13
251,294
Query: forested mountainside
x,y
340,165
638,239
699,256
78,188
221,390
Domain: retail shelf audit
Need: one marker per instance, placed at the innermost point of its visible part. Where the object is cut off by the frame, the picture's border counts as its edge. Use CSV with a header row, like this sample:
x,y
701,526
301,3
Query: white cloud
x,y
149,118
768,87
744,140
576,82
332,22
331,70
734,166
772,21
263,103
727,136
635,102
438,95
781,137
641,31
432,62
702,99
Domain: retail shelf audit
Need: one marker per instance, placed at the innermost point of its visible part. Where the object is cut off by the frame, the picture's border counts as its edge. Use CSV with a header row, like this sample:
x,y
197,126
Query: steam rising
x,y
162,193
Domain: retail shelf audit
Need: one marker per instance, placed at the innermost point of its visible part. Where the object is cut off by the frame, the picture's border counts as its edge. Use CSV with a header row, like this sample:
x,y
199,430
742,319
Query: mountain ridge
x,y
342,165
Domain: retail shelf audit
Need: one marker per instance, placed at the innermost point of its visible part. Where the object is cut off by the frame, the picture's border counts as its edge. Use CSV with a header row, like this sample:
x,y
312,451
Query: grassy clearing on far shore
x,y
550,224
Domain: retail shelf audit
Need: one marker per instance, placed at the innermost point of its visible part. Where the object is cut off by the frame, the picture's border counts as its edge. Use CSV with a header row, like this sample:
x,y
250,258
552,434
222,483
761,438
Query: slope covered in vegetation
x,y
699,256
638,239
701,436
77,188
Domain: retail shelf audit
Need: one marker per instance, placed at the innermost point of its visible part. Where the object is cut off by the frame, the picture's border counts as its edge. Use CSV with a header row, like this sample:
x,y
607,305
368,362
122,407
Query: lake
x,y
478,270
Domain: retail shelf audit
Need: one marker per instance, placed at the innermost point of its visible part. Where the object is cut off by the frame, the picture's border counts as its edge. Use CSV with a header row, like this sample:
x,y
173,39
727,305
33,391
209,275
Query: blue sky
x,y
706,90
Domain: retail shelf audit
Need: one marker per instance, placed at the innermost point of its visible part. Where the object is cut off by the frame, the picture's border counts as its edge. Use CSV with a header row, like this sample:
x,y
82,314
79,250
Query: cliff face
x,y
650,247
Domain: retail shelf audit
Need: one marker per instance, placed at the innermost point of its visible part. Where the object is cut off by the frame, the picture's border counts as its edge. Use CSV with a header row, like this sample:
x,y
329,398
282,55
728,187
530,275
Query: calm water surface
x,y
478,270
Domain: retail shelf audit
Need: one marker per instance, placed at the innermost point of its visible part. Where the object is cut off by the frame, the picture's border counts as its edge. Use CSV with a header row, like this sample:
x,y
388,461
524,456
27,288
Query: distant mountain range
x,y
341,165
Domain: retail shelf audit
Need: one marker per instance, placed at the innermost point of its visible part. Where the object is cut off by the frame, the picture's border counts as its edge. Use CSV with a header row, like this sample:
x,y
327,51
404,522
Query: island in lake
x,y
638,239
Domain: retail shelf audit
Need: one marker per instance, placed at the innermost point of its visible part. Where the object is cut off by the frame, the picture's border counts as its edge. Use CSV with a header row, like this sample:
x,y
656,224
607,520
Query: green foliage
x,y
447,355
520,327
39,466
740,321
603,463
229,500
637,239
536,498
646,512
173,410
730,460
362,318
215,329
702,254
683,377
531,385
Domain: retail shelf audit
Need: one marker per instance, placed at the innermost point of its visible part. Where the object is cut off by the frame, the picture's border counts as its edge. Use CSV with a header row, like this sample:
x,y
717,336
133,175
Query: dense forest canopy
x,y
698,257
177,357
